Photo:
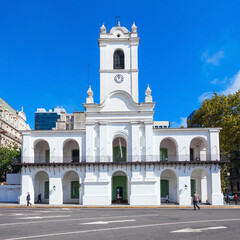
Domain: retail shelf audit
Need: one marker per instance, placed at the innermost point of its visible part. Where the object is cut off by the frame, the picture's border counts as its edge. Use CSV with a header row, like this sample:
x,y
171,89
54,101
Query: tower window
x,y
118,60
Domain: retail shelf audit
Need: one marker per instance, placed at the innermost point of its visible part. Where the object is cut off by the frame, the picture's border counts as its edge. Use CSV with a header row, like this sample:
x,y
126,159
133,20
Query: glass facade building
x,y
46,120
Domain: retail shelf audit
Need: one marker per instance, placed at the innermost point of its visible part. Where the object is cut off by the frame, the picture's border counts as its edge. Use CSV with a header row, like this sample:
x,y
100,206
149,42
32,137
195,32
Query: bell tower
x,y
118,61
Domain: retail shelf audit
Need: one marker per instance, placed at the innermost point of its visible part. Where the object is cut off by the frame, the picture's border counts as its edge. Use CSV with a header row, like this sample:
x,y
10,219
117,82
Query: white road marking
x,y
102,222
197,229
38,217
75,219
119,228
42,211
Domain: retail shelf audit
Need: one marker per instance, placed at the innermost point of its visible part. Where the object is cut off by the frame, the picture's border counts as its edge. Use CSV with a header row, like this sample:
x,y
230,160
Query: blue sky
x,y
187,49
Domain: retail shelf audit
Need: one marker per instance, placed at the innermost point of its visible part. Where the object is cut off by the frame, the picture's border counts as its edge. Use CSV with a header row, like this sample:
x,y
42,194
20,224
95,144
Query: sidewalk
x,y
119,206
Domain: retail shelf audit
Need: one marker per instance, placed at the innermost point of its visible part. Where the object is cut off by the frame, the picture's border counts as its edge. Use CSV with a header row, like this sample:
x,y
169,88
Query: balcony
x,y
171,159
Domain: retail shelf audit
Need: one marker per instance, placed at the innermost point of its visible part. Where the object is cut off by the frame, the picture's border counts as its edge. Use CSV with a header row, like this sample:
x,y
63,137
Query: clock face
x,y
118,78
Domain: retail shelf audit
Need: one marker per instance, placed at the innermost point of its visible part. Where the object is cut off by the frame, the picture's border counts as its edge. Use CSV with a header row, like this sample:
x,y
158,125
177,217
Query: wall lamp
x,y
185,186
54,187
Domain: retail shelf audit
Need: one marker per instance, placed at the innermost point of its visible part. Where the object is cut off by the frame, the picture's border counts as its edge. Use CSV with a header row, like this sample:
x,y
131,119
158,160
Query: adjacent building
x,y
11,123
58,119
120,151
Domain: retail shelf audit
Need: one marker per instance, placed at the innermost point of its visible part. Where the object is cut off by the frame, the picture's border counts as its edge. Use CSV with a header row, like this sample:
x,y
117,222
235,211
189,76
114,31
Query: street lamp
x,y
228,175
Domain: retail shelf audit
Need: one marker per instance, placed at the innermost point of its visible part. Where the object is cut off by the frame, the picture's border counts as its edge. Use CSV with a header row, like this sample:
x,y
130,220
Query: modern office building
x,y
120,151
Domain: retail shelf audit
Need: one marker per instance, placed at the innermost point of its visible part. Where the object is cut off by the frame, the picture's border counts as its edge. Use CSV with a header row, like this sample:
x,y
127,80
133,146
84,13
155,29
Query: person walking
x,y
236,199
39,198
28,199
195,201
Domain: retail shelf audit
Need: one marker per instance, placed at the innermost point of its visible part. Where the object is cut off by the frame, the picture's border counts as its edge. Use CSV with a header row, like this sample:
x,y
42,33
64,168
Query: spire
x,y
118,22
134,28
90,95
148,97
103,28
22,109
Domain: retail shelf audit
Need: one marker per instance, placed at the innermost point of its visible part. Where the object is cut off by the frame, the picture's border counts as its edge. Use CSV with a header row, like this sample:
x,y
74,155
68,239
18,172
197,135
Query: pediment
x,y
119,102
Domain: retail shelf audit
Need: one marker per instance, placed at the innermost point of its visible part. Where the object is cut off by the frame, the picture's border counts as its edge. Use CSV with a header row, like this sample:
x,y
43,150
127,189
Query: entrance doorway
x,y
119,188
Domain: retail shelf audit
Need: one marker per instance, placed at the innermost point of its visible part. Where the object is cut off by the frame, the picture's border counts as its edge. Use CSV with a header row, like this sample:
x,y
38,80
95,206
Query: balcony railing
x,y
129,158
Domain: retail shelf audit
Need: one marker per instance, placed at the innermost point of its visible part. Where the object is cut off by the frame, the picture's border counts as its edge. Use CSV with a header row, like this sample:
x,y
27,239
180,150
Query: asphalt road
x,y
167,224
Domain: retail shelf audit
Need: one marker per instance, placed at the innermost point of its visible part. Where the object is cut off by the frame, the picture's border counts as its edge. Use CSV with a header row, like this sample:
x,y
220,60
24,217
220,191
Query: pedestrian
x,y
195,201
118,198
236,199
28,199
39,198
167,199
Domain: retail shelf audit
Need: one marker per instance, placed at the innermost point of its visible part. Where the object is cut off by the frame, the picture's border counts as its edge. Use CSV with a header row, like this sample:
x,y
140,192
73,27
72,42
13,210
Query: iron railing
x,y
119,159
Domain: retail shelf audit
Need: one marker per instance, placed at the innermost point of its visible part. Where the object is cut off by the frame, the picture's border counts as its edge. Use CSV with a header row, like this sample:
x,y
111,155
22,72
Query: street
x,y
104,223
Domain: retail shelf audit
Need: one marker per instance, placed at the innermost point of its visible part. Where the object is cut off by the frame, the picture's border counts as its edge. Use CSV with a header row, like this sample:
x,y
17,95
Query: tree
x,y
223,111
7,154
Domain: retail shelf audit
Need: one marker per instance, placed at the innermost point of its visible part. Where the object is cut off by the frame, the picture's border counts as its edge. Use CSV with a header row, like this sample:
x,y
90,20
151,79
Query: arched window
x,y
118,60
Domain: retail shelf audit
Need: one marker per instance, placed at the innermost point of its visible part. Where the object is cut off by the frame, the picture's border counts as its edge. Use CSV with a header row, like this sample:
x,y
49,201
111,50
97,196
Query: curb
x,y
120,207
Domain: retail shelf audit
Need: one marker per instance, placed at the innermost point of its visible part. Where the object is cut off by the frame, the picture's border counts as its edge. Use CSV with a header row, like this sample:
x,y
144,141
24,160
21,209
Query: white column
x,y
215,184
213,148
103,134
26,186
149,141
184,189
55,182
89,141
135,142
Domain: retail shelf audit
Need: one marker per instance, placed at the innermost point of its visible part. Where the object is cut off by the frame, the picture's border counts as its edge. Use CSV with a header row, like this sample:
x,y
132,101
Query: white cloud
x,y
234,85
213,59
216,81
182,122
204,96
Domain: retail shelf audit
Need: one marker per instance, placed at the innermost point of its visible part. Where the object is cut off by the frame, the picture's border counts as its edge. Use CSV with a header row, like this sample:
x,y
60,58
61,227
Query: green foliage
x,y
7,154
222,111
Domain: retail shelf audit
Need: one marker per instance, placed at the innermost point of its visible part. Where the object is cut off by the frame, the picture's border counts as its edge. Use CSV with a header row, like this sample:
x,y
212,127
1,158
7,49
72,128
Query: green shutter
x,y
164,188
75,189
119,181
46,190
117,154
191,154
47,156
193,186
163,154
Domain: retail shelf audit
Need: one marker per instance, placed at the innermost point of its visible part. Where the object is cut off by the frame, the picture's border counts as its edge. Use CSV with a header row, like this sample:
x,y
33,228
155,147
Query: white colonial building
x,y
121,150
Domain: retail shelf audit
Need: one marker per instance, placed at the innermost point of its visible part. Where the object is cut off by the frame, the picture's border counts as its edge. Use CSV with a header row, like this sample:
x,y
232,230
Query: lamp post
x,y
228,175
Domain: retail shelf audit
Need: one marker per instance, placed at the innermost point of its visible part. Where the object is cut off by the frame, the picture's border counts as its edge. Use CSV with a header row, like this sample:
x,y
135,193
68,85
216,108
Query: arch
x,y
118,59
70,150
200,184
41,151
198,149
41,186
169,186
119,148
119,187
168,149
70,185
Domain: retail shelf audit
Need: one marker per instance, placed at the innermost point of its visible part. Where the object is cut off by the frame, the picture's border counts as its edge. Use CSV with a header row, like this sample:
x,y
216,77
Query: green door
x,y
164,188
75,189
163,154
47,156
46,190
118,156
119,182
193,186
